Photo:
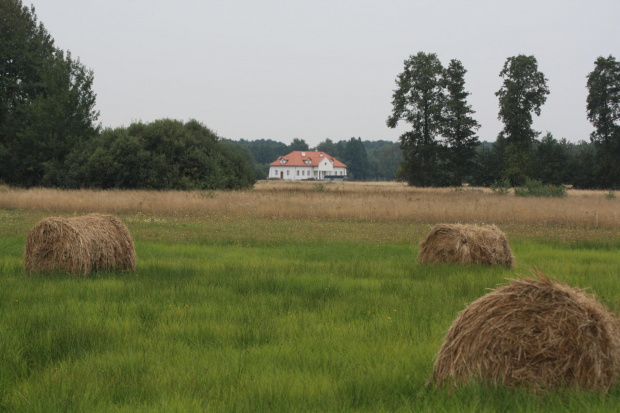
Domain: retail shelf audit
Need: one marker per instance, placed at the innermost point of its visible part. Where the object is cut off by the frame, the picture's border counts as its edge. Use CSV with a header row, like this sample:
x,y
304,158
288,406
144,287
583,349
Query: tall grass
x,y
349,200
255,314
317,304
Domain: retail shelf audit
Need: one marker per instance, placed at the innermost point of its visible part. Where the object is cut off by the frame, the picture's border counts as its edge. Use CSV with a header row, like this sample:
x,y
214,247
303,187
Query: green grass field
x,y
268,315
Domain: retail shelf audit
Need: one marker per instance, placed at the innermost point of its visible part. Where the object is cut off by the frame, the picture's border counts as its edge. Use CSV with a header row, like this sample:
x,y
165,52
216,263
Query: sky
x,y
312,70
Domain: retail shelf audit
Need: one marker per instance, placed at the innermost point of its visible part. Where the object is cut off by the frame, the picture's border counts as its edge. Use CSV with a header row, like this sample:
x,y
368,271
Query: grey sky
x,y
284,69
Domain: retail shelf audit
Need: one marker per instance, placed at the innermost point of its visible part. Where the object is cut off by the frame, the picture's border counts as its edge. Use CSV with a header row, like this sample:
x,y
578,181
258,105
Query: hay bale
x,y
533,333
80,245
466,244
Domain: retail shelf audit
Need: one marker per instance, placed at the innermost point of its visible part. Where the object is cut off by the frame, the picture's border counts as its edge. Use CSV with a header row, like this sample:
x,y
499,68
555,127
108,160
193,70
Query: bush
x,y
501,187
164,154
535,187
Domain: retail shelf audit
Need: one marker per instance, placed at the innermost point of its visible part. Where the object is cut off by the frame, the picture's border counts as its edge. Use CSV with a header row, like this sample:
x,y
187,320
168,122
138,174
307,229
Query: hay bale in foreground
x,y
466,244
535,333
80,245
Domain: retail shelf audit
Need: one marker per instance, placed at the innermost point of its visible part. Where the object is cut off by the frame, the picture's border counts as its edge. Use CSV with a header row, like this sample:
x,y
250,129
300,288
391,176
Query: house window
x,y
288,173
297,173
303,173
275,172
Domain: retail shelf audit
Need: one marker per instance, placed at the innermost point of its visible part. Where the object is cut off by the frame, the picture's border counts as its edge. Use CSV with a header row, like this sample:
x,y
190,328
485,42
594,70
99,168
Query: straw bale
x,y
80,245
466,244
533,333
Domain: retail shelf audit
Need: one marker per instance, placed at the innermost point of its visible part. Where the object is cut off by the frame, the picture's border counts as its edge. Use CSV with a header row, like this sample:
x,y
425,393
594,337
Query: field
x,y
288,297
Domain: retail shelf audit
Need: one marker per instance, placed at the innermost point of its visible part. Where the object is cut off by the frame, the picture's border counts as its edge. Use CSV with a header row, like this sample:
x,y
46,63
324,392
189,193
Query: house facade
x,y
305,165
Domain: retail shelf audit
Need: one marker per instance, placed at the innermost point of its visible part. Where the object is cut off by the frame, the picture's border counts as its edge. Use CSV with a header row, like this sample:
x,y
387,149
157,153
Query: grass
x,y
233,312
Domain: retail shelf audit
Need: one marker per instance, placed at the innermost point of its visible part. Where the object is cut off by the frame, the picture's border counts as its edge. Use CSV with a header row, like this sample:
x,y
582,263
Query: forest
x,y
50,135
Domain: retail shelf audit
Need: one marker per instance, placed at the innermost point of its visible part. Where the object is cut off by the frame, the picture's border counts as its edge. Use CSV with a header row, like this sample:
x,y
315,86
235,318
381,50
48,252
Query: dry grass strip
x,y
535,333
466,244
80,245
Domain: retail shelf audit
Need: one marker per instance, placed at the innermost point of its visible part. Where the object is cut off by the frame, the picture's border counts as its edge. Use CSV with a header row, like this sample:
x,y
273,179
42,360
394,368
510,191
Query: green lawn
x,y
260,315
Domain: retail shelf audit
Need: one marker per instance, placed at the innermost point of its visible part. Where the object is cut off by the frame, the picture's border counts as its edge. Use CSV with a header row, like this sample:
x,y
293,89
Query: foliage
x,y
329,147
533,187
384,159
487,164
419,101
501,187
356,159
550,159
264,151
440,149
165,154
246,154
581,167
458,127
603,109
298,145
524,90
46,100
610,195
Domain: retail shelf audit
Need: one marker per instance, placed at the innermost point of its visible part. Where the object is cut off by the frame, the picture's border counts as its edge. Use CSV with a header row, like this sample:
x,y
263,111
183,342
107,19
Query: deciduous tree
x,y
46,100
603,110
523,92
418,101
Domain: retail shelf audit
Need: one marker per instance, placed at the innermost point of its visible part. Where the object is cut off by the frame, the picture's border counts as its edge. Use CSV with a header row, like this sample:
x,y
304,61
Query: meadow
x,y
287,297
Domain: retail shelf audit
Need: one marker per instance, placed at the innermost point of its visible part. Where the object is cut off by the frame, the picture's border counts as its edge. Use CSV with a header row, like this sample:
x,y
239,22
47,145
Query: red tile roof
x,y
299,158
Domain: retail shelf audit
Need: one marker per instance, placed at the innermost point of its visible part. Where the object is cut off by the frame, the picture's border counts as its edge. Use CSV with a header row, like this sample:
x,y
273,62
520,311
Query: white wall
x,y
298,173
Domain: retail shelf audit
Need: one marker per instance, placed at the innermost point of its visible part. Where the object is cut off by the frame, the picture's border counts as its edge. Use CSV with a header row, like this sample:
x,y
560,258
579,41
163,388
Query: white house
x,y
303,165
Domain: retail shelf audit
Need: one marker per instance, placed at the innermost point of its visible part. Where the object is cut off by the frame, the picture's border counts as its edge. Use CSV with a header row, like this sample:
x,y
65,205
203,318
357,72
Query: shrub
x,y
501,187
535,187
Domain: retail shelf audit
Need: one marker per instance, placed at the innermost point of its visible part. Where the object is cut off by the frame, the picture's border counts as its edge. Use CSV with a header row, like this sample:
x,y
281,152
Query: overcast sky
x,y
284,69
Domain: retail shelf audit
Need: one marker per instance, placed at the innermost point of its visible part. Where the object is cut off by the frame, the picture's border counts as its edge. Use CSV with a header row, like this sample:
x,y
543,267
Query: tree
x,y
523,92
603,110
356,159
329,147
581,166
418,100
46,100
264,151
550,159
165,154
487,163
298,145
389,159
458,127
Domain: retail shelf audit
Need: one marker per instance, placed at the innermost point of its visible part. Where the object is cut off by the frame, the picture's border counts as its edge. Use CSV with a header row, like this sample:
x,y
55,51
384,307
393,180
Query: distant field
x,y
289,297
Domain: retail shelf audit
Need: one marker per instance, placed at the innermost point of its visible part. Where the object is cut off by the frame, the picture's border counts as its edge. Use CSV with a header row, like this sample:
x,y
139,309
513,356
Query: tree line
x,y
442,147
50,135
366,160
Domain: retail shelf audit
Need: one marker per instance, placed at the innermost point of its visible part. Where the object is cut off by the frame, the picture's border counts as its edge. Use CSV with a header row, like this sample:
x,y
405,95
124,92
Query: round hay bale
x,y
80,245
466,244
533,333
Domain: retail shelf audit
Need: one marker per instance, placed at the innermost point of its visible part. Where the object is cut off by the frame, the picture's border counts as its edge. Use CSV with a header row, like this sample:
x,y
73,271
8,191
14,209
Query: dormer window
x,y
282,161
308,161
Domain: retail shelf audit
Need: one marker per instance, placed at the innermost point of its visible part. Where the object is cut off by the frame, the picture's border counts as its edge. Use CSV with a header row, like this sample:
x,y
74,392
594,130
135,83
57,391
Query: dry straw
x,y
535,333
80,245
466,244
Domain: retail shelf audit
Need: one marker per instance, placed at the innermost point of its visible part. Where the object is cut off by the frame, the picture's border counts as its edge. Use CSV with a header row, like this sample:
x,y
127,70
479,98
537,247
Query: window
x,y
303,173
297,173
288,173
275,172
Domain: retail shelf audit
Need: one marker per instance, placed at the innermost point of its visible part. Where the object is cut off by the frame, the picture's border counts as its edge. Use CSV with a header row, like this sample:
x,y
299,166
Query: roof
x,y
300,158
